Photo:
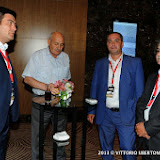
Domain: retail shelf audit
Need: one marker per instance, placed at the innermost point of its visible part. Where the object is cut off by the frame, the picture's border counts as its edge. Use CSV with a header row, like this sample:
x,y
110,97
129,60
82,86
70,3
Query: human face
x,y
56,44
114,44
158,54
7,28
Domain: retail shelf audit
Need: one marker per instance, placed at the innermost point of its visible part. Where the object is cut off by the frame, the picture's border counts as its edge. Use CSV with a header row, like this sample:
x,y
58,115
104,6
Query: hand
x,y
90,118
147,137
53,89
141,131
54,101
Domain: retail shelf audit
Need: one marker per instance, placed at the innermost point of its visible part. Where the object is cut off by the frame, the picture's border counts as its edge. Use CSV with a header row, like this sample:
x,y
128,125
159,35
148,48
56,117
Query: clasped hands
x,y
54,90
141,131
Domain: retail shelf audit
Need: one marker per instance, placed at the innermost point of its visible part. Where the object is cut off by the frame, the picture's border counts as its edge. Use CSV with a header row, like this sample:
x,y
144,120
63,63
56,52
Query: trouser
x,y
150,156
107,128
145,147
48,116
3,141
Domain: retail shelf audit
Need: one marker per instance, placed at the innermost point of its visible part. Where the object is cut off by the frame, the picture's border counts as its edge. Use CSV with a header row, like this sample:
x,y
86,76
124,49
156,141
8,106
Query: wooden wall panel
x,y
36,20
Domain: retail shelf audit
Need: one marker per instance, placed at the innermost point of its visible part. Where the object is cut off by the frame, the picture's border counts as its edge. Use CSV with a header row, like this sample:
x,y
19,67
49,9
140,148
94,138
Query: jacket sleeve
x,y
142,101
152,126
139,79
93,92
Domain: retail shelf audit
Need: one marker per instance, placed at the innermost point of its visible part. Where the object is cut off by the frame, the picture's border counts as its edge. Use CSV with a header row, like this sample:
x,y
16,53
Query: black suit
x,y
152,126
5,109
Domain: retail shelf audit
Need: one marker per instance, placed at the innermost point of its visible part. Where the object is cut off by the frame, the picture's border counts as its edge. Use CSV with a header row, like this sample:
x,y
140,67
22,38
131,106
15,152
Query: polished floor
x,y
19,146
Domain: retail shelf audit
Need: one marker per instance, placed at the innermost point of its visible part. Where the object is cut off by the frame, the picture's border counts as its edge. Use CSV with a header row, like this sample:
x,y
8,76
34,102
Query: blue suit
x,y
131,86
5,109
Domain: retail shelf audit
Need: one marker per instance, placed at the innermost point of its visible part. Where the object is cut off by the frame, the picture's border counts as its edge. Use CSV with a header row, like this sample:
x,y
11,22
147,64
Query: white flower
x,y
67,85
65,98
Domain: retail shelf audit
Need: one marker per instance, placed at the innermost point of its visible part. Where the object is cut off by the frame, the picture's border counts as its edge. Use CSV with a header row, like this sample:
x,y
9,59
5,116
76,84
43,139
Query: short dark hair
x,y
157,42
4,11
116,33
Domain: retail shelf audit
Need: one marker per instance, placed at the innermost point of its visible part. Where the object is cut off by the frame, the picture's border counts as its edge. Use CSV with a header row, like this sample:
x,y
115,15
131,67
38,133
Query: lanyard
x,y
114,69
154,93
8,65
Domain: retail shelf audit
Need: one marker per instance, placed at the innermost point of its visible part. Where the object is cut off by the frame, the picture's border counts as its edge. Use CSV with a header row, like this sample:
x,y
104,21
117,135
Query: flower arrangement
x,y
65,103
65,87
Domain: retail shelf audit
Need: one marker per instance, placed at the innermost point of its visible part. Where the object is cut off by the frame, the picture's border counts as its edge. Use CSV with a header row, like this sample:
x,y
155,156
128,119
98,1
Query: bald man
x,y
44,68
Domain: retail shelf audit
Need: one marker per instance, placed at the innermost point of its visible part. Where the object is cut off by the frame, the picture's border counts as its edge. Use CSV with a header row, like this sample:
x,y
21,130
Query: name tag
x,y
110,91
12,97
146,114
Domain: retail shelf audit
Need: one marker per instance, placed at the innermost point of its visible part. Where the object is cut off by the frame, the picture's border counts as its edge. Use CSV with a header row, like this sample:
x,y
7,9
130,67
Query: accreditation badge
x,y
146,114
12,97
110,91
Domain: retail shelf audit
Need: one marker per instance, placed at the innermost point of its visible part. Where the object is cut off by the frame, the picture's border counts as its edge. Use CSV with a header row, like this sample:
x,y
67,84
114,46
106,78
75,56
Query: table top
x,y
57,102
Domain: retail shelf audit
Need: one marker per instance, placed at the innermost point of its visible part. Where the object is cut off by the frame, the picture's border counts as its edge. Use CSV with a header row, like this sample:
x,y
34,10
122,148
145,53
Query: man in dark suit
x,y
117,84
8,82
148,113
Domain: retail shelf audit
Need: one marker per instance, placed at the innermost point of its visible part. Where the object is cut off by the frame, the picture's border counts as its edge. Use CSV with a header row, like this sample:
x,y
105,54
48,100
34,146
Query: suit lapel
x,y
124,77
5,67
124,68
153,82
2,59
152,86
105,72
106,69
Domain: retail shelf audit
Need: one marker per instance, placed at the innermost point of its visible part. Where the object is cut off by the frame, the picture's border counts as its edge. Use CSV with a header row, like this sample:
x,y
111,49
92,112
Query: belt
x,y
114,109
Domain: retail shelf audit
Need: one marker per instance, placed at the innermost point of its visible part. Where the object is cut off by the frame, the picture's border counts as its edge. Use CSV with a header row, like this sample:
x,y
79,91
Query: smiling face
x,y
115,44
7,28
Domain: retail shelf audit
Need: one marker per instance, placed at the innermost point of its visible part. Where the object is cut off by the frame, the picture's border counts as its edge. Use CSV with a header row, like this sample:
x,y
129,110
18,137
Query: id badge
x,y
146,114
110,91
12,99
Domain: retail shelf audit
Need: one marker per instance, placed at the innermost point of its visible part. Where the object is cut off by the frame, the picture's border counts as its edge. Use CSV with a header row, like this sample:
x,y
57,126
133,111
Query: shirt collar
x,y
110,58
59,56
3,47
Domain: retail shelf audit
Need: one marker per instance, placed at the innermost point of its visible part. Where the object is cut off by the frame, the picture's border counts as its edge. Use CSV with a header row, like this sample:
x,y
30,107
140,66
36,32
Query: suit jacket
x,y
152,126
5,96
131,86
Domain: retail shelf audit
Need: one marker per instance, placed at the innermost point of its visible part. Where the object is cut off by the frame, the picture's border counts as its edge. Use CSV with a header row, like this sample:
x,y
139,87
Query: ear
x,y
122,44
49,42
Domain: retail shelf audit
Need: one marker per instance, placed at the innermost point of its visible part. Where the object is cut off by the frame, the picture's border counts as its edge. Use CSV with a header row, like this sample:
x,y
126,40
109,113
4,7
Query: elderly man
x,y
8,81
44,68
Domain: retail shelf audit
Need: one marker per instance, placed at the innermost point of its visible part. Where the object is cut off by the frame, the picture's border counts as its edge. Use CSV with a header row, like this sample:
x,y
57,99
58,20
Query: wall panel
x,y
36,20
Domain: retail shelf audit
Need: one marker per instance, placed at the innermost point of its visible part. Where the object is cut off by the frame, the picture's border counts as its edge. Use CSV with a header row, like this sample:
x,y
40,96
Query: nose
x,y
14,27
113,42
59,47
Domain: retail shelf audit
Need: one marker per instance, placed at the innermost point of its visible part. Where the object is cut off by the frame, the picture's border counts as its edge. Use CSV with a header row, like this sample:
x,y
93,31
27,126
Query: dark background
x,y
102,13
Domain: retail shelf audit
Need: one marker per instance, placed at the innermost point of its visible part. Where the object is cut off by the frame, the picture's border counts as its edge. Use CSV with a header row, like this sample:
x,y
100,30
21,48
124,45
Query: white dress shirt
x,y
3,48
113,102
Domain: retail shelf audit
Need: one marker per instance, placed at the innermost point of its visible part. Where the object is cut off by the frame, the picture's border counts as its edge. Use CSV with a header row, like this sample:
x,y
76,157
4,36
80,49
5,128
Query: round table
x,y
54,105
